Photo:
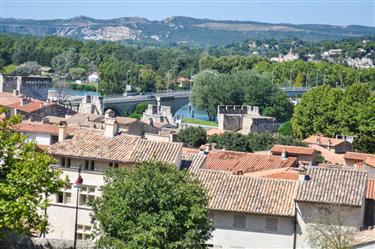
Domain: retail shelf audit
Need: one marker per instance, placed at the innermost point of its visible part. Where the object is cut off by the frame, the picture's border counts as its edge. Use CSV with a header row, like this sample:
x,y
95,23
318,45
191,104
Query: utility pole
x,y
79,182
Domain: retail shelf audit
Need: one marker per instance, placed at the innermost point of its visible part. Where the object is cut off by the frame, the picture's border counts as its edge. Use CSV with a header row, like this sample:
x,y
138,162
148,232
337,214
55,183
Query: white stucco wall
x,y
39,138
254,235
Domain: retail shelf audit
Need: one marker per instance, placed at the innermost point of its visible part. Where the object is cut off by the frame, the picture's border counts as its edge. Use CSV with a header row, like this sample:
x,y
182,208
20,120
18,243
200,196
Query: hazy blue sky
x,y
341,12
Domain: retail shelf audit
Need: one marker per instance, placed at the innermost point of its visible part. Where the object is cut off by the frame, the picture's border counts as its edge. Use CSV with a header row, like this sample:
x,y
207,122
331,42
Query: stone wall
x,y
14,241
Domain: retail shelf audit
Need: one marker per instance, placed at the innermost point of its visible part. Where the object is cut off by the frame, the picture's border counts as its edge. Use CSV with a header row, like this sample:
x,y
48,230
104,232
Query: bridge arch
x,y
115,109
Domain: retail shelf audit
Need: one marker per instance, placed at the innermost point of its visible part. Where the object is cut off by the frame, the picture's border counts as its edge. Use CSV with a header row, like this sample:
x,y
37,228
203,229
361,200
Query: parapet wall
x,y
238,109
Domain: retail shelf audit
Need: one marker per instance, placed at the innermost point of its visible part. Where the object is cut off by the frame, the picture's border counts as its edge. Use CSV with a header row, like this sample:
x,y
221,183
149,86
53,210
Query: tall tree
x,y
157,206
25,179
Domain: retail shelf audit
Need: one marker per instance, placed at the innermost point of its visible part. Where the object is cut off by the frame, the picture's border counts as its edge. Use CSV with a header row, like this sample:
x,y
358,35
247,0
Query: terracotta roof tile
x,y
145,150
370,161
190,150
214,131
228,192
245,162
192,161
333,186
91,143
32,106
36,127
7,99
295,150
329,155
286,175
125,120
370,189
323,140
357,156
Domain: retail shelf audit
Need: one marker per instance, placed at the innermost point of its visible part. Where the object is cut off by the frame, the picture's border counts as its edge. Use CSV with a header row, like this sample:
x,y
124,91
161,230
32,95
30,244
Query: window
x,y
92,165
116,165
83,232
69,162
239,221
62,162
271,224
86,164
68,198
85,199
60,197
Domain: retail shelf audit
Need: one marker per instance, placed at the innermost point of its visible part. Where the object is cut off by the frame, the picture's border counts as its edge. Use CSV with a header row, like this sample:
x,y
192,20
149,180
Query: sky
x,y
336,12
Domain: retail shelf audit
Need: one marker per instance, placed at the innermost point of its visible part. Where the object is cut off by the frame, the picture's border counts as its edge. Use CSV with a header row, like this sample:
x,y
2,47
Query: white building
x,y
93,78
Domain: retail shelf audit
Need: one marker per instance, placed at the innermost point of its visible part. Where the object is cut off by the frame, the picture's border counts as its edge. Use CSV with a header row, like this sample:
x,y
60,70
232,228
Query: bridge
x,y
124,105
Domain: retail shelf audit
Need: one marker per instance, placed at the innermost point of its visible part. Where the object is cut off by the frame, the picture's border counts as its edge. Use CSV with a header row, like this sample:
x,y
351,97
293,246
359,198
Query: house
x,y
254,212
246,163
336,145
334,195
244,119
93,78
30,108
43,133
96,150
304,155
249,212
352,158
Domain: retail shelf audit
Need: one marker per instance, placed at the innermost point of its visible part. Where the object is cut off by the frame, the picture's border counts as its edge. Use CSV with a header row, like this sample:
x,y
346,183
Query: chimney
x,y
110,128
329,143
62,130
151,122
45,120
302,174
109,114
171,137
283,154
87,119
318,140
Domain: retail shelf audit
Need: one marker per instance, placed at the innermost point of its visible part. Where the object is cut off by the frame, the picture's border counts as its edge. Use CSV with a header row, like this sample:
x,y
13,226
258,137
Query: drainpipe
x,y
295,226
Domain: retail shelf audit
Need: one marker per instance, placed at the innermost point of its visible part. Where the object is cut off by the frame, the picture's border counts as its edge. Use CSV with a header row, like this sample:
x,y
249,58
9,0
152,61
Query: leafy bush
x,y
192,136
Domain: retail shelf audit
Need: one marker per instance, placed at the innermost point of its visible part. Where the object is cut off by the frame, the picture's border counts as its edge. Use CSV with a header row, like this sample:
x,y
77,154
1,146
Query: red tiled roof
x,y
296,150
323,141
35,127
370,161
232,193
370,189
32,106
7,99
245,162
214,131
333,186
190,150
357,156
329,155
286,175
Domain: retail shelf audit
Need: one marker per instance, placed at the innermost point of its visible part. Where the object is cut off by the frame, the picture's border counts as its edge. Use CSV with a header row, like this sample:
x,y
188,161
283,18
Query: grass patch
x,y
199,121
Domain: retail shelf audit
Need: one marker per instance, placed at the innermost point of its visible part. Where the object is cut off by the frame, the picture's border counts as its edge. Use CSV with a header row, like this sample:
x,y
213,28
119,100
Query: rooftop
x,y
370,189
38,127
14,102
245,162
233,193
333,186
325,141
92,144
357,156
296,150
370,161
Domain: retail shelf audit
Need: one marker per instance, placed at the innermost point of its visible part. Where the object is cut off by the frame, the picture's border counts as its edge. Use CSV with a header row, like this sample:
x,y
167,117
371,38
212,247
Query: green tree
x,y
140,108
77,72
286,129
157,206
64,61
25,178
192,136
231,141
27,68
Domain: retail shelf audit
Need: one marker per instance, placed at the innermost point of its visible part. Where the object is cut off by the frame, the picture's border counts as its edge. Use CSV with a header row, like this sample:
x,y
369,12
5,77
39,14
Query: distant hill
x,y
177,30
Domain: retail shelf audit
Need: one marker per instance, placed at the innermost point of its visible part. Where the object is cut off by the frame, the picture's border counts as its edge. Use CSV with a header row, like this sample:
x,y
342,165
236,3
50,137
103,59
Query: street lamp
x,y
78,184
